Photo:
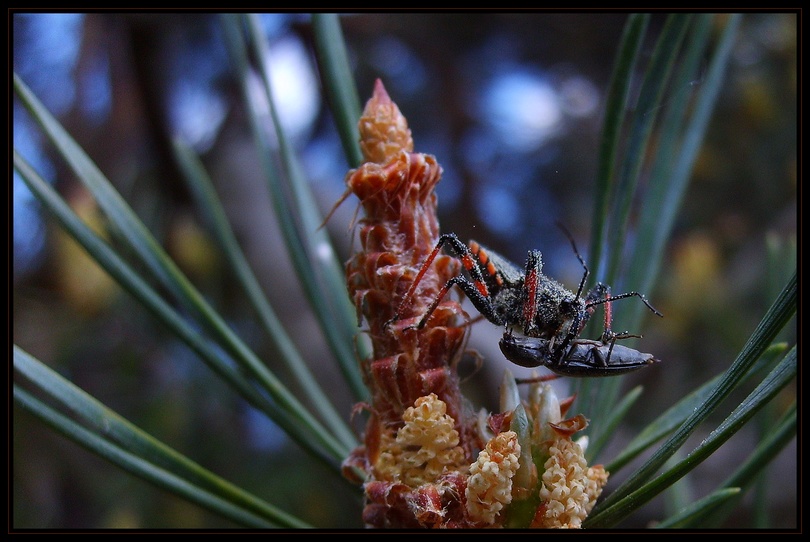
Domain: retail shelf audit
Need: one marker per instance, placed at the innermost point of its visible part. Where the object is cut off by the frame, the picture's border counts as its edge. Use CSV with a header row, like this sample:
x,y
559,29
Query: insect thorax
x,y
507,303
557,307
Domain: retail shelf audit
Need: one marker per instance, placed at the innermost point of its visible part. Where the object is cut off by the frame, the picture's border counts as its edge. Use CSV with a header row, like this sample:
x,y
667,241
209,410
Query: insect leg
x,y
531,291
473,290
610,298
476,289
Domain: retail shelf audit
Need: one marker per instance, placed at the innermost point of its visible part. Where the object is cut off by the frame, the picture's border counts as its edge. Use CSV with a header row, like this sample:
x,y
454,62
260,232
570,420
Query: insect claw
x,y
402,324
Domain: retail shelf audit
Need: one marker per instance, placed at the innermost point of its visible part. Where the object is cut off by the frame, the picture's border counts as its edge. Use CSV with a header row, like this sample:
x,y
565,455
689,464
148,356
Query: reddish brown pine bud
x,y
398,232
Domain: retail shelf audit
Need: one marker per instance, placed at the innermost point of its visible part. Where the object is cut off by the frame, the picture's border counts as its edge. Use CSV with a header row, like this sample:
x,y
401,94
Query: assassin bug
x,y
529,300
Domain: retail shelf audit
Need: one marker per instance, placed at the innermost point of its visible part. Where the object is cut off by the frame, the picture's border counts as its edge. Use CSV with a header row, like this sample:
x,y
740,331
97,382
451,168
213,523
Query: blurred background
x,y
510,104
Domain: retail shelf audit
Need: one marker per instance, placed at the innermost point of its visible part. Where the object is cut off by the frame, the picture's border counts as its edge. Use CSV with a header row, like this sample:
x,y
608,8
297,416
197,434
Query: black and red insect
x,y
526,301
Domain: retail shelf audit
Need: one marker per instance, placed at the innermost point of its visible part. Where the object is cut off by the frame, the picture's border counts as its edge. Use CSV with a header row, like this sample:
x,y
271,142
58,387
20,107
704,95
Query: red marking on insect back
x,y
484,262
468,262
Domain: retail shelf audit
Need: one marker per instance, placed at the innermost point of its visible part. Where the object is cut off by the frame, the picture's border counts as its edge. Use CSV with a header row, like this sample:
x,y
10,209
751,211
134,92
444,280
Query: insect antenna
x,y
581,259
